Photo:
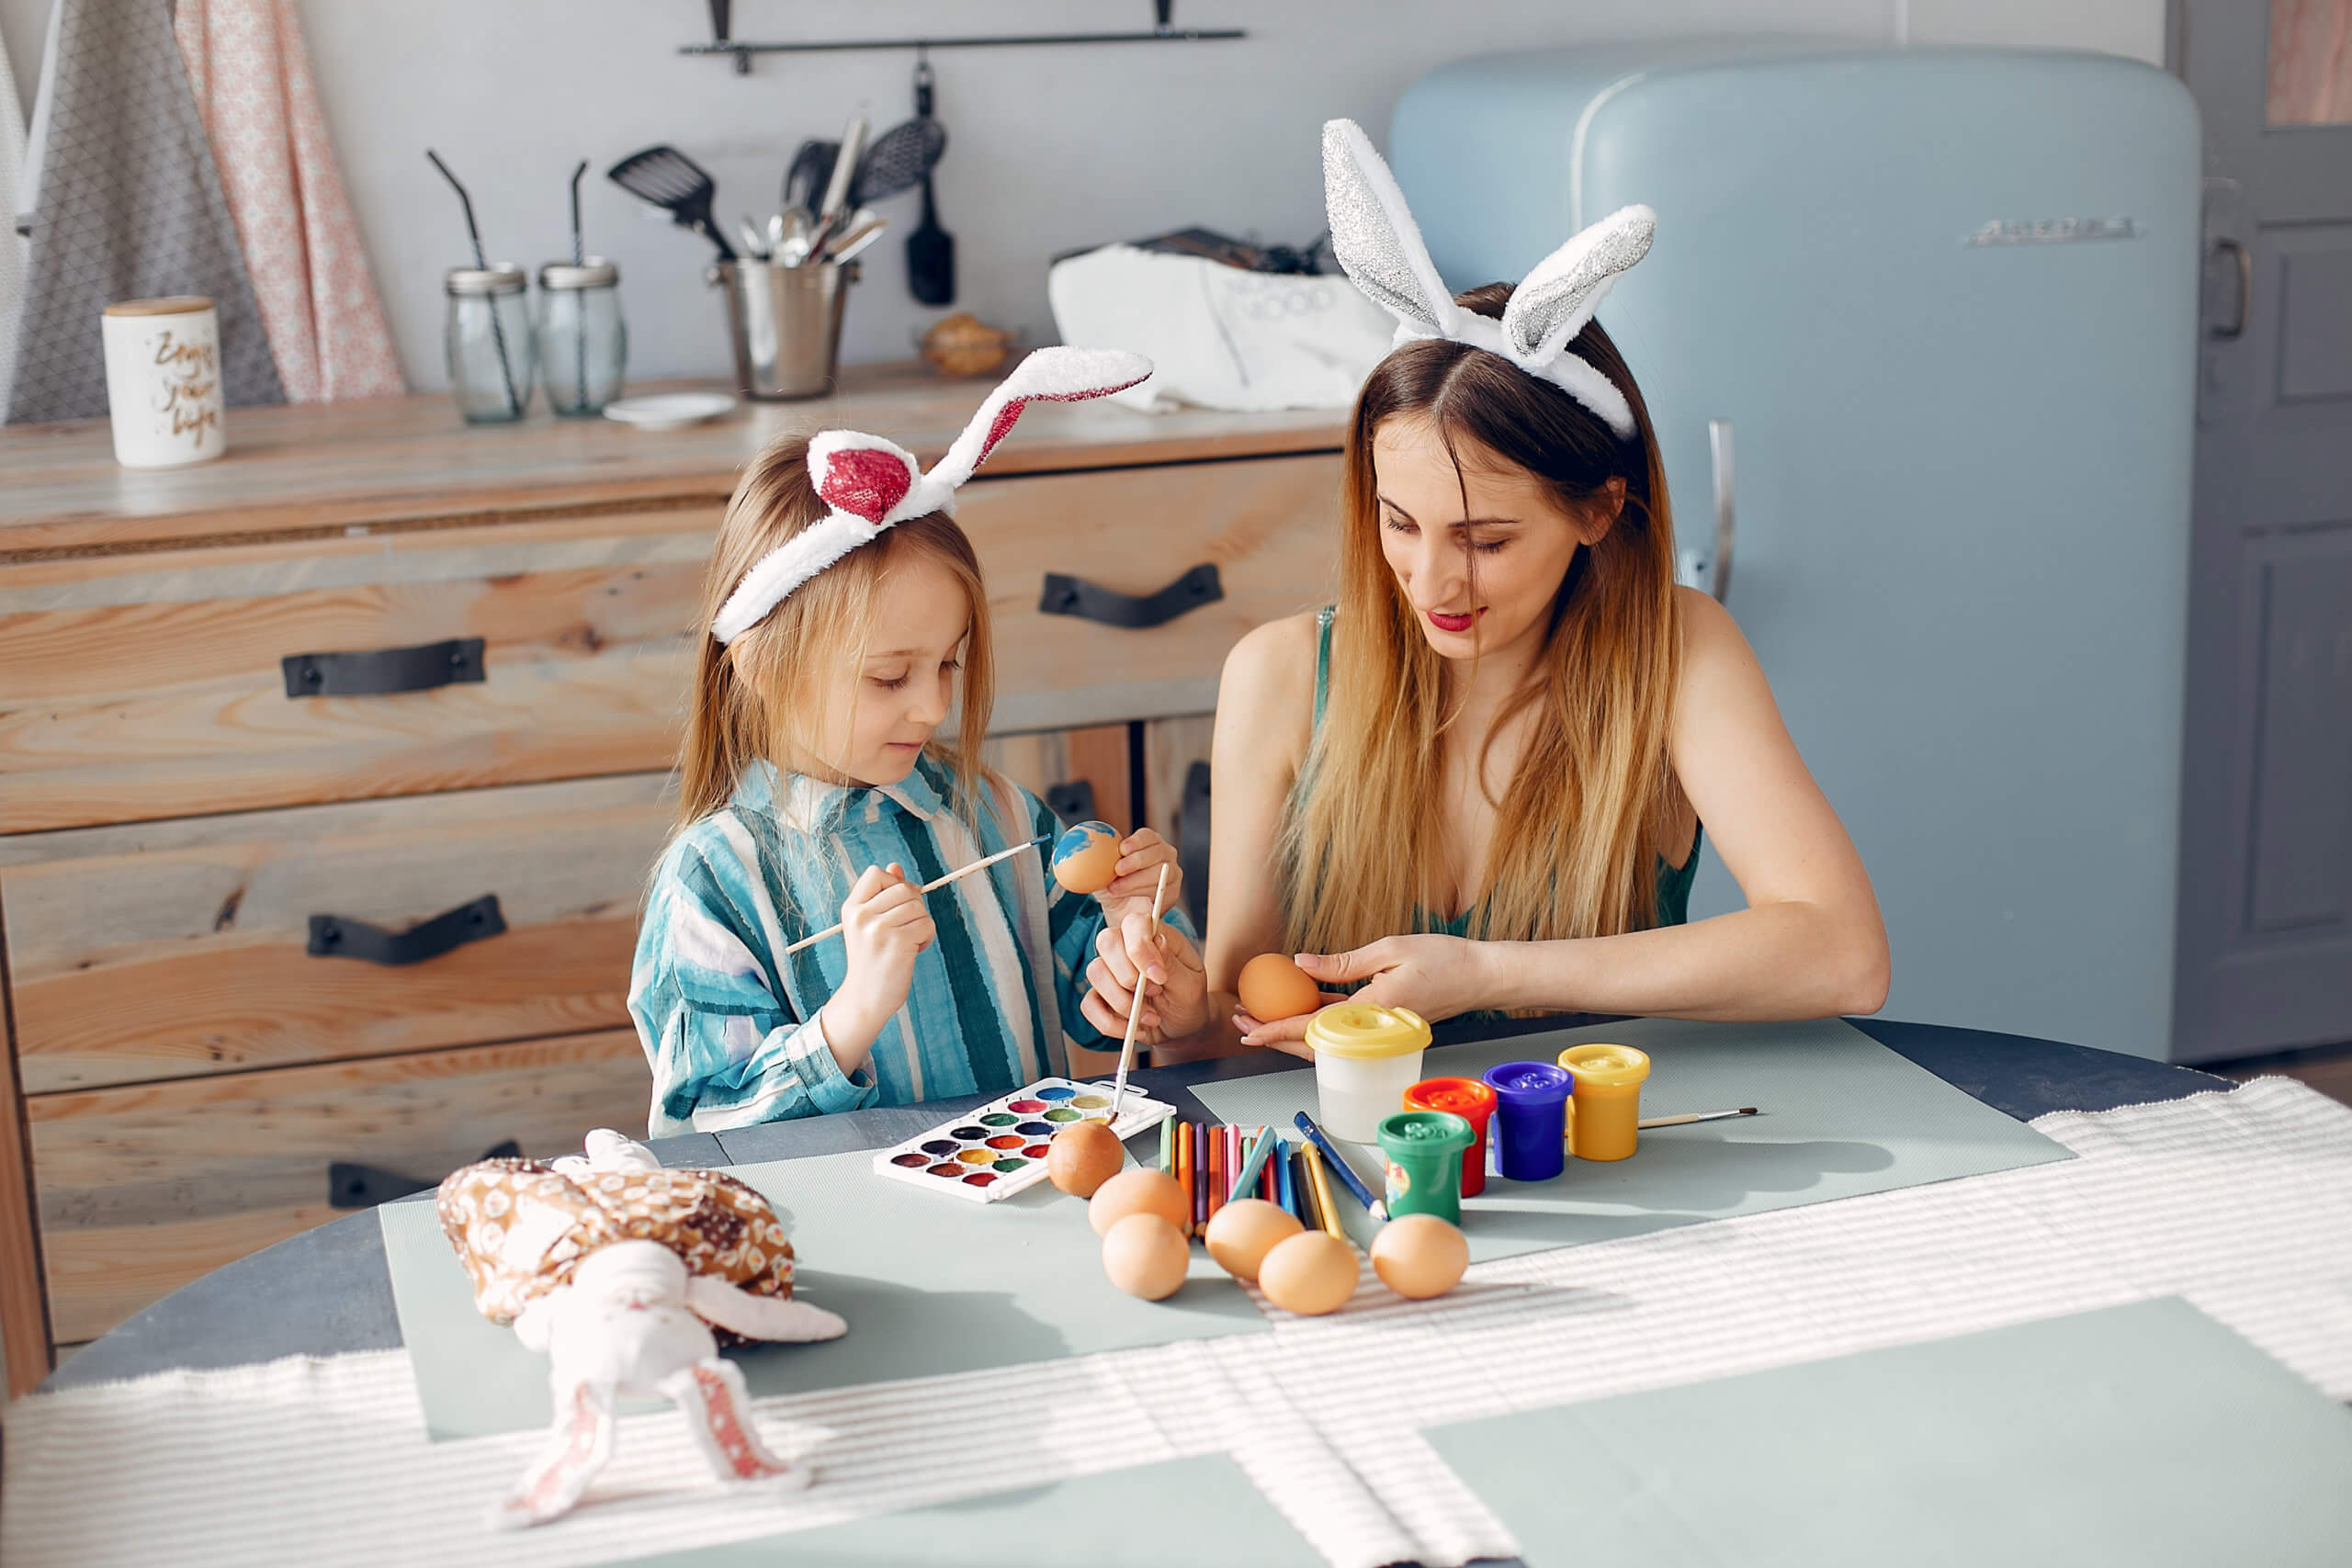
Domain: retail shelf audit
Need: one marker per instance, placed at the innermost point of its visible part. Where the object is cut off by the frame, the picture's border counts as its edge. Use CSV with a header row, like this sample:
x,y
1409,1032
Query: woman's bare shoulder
x,y
1269,675
1712,640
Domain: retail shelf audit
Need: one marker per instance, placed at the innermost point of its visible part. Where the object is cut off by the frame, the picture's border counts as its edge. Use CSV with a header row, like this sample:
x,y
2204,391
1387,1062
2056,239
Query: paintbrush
x,y
1685,1120
934,885
1135,1003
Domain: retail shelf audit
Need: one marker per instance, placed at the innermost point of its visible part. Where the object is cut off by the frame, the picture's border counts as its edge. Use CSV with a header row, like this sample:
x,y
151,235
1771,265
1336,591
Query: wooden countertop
x,y
411,462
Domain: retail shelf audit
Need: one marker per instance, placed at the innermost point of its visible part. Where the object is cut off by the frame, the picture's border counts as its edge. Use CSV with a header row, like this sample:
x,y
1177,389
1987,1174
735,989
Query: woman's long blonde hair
x,y
763,698
1581,824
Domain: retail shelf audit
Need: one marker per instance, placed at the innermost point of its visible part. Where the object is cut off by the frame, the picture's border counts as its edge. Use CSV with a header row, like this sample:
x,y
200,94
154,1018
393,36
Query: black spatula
x,y
676,183
930,250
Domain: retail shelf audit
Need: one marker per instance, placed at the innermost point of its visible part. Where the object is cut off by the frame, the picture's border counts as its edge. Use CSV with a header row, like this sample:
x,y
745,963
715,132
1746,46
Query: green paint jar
x,y
1424,1150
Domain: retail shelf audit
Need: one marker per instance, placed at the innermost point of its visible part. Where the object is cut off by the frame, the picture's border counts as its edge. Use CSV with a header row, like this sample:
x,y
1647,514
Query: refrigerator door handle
x,y
1719,447
2245,287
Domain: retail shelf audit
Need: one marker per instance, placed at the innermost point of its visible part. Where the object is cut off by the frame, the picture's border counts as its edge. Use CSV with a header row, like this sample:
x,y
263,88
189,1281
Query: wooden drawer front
x,y
169,949
141,1190
1270,525
149,686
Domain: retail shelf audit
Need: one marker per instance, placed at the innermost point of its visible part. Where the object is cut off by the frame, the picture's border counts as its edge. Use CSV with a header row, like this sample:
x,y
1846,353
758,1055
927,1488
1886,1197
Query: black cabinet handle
x,y
353,1186
378,672
331,936
1076,596
1192,843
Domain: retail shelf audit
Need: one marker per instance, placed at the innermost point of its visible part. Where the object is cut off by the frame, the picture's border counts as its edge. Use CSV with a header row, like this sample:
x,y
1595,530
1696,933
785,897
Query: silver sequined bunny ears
x,y
1375,236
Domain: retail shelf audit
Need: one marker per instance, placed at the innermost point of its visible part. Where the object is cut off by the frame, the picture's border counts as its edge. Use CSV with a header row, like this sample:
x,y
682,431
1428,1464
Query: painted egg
x,y
1273,987
1142,1190
1086,857
1244,1231
1082,1157
1310,1274
1420,1256
1147,1256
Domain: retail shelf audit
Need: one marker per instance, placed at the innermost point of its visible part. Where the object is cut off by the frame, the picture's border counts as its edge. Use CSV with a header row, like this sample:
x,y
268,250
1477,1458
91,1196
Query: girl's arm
x,y
726,1050
1265,716
1810,943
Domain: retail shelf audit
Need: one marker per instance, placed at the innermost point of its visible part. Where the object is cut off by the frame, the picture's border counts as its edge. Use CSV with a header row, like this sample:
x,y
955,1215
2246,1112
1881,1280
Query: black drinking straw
x,y
578,258
497,329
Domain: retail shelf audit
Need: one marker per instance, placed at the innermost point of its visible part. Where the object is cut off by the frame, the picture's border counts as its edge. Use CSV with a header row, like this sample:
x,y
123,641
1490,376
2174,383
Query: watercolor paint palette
x,y
1000,1149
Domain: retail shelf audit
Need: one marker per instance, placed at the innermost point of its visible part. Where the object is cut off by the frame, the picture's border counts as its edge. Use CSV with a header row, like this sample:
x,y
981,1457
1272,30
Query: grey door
x,y
2265,958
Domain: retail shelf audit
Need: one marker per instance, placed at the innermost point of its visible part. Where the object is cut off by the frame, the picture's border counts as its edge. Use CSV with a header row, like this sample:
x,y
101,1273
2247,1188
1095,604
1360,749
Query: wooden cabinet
x,y
183,812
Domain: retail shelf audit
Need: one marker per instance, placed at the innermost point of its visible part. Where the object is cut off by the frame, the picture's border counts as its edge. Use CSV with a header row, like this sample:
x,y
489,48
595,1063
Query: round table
x,y
327,1291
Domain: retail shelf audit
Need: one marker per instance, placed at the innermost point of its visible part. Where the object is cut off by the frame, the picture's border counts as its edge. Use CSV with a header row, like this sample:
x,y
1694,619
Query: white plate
x,y
670,411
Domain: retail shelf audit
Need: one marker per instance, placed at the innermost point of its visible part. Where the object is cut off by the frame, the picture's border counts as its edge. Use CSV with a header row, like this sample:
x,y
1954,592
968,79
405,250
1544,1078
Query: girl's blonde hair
x,y
1581,824
762,697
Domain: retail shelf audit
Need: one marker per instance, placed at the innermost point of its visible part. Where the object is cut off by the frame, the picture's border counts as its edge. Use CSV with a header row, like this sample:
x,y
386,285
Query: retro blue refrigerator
x,y
1922,324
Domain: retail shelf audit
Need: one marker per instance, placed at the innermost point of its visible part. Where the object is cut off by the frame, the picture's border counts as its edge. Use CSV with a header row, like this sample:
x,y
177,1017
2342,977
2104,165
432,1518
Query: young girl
x,y
844,619
1477,782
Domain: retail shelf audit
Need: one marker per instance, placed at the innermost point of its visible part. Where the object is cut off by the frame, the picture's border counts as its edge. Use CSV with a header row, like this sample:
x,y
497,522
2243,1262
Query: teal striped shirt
x,y
727,1021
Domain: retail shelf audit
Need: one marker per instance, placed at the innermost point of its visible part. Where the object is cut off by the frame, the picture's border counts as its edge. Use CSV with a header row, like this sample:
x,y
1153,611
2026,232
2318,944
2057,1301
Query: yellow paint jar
x,y
1605,1112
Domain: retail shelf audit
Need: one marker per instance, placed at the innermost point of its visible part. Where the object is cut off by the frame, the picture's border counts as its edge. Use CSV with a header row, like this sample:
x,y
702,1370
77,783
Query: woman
x,y
1478,782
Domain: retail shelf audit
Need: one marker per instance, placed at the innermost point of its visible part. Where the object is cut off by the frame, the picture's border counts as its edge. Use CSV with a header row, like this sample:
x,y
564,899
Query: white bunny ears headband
x,y
871,483
1377,240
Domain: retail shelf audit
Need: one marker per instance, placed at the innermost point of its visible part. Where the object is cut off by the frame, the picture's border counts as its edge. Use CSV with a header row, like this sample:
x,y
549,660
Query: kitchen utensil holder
x,y
786,325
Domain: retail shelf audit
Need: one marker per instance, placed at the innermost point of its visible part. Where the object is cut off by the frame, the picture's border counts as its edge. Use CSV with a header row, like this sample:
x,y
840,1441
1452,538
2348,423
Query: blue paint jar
x,y
1531,1119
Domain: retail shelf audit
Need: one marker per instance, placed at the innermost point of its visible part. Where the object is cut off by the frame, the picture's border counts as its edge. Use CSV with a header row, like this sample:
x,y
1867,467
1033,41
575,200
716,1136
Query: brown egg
x,y
1273,987
1142,1190
1145,1256
1244,1231
1082,1157
1086,857
1420,1256
1310,1274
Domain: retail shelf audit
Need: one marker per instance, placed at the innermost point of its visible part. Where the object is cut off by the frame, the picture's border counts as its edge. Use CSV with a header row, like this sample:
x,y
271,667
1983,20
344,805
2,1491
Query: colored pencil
x,y
1694,1116
1251,1182
1339,1167
1282,1190
1190,1153
1168,1145
1135,1004
1329,1215
1216,1172
933,887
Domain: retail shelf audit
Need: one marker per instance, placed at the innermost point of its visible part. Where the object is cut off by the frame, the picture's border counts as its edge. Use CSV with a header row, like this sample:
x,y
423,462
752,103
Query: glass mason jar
x,y
489,341
583,343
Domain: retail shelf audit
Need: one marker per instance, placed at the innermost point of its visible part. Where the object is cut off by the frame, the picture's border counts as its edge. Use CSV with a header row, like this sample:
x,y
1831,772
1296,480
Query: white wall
x,y
1050,148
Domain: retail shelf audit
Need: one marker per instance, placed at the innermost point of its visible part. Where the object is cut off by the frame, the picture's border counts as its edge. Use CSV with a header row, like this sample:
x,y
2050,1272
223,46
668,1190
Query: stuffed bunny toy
x,y
626,1275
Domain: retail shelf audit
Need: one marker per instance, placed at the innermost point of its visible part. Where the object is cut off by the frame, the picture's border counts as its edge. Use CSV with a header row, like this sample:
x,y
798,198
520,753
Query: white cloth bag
x,y
1221,337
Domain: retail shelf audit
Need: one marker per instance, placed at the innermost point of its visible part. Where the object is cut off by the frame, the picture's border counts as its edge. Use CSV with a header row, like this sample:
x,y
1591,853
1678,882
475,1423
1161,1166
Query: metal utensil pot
x,y
786,325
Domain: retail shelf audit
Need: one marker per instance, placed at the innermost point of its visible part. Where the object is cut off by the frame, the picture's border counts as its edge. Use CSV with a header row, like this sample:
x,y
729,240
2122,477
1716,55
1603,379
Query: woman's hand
x,y
1436,976
1175,986
1134,880
884,924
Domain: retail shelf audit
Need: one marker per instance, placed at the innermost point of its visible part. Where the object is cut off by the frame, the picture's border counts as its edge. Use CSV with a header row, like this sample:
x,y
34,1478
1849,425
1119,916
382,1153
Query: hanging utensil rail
x,y
741,50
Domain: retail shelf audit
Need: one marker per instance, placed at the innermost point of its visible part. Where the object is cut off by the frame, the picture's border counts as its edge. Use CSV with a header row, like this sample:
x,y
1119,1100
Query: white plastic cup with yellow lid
x,y
164,381
1367,1057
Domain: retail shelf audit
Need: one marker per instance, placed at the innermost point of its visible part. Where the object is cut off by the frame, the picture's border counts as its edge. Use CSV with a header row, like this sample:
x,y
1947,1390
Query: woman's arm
x,y
1810,943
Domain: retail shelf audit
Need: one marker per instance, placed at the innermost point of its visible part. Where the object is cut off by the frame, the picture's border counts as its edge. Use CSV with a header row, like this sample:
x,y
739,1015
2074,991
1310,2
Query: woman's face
x,y
1479,553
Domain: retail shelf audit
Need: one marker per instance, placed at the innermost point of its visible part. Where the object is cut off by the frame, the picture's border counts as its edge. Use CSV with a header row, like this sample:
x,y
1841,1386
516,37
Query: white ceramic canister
x,y
164,381
1367,1057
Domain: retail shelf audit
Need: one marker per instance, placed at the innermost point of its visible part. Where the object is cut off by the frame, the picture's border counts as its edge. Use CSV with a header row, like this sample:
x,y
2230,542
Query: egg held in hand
x,y
1082,1157
1272,987
1147,1256
1086,857
1312,1273
1244,1231
1142,1190
1420,1256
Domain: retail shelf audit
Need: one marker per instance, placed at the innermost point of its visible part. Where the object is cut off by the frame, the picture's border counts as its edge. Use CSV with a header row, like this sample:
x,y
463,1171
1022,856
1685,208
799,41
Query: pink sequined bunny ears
x,y
1377,240
871,483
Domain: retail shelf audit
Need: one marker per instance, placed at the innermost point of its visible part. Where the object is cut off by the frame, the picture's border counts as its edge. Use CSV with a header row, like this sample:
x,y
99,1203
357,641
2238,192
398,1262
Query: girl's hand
x,y
1436,976
884,924
1141,854
1175,982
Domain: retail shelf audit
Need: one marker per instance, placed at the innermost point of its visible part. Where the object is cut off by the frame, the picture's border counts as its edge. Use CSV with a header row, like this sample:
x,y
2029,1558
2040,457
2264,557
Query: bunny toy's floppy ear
x,y
1374,237
1378,244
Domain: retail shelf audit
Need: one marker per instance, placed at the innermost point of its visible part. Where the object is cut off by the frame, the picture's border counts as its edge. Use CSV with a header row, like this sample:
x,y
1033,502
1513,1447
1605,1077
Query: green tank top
x,y
1673,881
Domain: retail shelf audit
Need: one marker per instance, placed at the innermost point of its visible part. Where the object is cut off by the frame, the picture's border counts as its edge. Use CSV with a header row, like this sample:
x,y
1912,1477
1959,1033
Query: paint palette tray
x,y
1000,1149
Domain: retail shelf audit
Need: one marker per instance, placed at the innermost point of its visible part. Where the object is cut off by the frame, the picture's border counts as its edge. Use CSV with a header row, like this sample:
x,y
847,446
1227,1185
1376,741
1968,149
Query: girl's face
x,y
1479,553
888,702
